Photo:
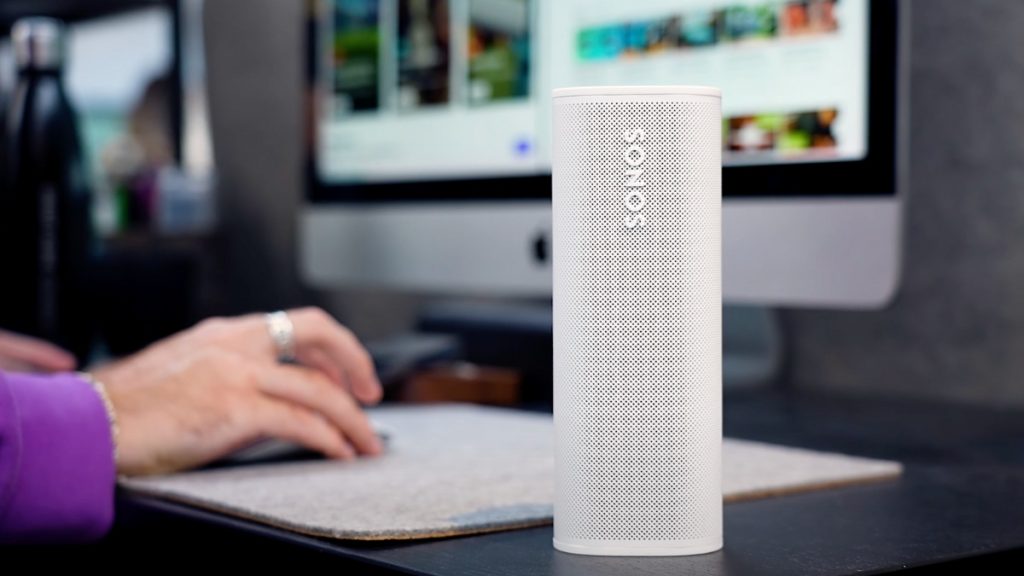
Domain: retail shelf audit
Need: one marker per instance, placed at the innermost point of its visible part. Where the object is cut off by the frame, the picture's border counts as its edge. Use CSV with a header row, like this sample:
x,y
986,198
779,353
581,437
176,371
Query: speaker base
x,y
681,548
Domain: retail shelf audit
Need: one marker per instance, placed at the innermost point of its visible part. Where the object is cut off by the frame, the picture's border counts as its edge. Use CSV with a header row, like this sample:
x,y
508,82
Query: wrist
x,y
108,406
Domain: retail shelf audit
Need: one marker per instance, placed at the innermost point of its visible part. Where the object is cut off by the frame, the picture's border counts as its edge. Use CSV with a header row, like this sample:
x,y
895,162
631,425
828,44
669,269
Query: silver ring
x,y
282,332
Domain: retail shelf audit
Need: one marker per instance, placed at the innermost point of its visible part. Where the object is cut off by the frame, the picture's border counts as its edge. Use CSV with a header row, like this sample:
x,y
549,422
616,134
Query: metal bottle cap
x,y
38,43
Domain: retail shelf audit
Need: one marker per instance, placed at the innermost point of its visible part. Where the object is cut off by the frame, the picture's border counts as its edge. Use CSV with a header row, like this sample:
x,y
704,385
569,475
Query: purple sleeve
x,y
56,460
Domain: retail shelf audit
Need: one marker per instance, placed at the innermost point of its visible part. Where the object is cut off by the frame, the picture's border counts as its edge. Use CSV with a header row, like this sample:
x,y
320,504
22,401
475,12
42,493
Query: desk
x,y
961,500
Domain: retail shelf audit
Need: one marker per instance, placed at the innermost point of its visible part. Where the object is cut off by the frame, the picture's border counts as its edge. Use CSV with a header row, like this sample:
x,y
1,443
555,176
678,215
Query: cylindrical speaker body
x,y
637,320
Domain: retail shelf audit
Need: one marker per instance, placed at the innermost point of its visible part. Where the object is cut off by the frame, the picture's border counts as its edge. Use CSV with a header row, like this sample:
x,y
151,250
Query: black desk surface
x,y
961,500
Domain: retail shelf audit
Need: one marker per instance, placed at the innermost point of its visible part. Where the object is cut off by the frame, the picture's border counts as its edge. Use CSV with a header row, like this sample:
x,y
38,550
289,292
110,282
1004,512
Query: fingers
x,y
313,391
315,327
317,358
34,353
293,423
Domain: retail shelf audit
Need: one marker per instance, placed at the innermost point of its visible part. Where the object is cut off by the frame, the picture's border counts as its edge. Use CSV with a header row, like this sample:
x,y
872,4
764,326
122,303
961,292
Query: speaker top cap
x,y
637,91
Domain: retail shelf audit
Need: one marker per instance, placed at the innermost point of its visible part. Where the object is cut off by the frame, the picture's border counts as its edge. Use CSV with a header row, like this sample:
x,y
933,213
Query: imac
x,y
429,150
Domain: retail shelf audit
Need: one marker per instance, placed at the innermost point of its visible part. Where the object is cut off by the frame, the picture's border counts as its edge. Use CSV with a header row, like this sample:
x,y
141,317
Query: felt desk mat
x,y
457,469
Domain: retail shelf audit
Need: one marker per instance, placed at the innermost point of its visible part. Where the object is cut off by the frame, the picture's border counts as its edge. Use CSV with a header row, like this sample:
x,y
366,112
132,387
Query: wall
x,y
956,330
254,52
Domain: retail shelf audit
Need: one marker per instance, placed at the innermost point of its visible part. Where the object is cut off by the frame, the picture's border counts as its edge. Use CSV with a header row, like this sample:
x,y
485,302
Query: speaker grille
x,y
638,321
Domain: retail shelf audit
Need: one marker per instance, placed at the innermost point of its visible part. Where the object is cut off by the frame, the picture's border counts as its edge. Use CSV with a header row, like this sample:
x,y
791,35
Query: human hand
x,y
26,354
218,387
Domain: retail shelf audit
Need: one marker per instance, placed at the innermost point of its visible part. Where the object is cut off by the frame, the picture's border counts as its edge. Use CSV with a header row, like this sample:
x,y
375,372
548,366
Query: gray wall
x,y
956,330
254,51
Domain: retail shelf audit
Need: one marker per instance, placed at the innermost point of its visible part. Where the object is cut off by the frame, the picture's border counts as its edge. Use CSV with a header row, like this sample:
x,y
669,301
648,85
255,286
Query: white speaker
x,y
637,320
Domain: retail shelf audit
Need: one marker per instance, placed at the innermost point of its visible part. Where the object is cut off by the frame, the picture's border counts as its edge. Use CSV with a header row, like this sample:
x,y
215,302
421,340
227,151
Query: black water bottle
x,y
47,246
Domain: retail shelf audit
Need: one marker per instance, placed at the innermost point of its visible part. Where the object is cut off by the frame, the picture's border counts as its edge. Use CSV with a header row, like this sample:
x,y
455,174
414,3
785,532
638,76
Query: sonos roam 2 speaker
x,y
637,320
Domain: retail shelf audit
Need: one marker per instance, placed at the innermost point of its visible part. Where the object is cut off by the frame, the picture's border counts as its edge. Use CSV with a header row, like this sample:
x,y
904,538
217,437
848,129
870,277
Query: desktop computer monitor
x,y
430,137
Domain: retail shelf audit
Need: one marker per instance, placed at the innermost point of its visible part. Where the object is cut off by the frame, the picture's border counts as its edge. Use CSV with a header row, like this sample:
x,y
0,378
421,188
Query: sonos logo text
x,y
635,199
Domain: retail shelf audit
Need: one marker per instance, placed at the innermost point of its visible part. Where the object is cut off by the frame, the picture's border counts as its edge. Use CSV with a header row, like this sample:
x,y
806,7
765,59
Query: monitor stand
x,y
753,347
517,334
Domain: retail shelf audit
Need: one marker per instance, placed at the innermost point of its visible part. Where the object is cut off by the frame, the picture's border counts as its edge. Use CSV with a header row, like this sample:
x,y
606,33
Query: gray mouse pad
x,y
455,469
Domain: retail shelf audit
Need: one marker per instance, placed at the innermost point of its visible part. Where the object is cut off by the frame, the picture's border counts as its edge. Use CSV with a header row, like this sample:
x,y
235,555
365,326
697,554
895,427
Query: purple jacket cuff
x,y
57,469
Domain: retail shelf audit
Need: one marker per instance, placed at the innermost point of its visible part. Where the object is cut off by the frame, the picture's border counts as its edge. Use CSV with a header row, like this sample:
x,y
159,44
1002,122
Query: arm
x,y
56,460
180,403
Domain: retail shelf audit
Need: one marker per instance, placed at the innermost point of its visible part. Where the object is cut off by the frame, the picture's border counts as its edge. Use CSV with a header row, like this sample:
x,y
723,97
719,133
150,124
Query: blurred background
x,y
202,128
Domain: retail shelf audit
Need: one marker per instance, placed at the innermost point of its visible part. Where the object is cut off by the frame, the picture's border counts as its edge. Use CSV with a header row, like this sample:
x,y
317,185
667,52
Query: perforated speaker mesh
x,y
637,319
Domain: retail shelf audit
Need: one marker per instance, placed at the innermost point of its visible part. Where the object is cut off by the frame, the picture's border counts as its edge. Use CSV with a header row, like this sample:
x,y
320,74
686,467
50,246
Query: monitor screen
x,y
420,90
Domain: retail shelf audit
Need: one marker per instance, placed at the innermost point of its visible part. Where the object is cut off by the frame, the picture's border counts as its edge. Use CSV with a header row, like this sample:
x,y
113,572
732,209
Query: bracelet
x,y
101,391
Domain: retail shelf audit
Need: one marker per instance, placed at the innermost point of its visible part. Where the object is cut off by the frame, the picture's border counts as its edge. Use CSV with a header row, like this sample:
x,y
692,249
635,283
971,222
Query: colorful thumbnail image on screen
x,y
424,60
763,22
496,53
499,50
794,133
356,51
